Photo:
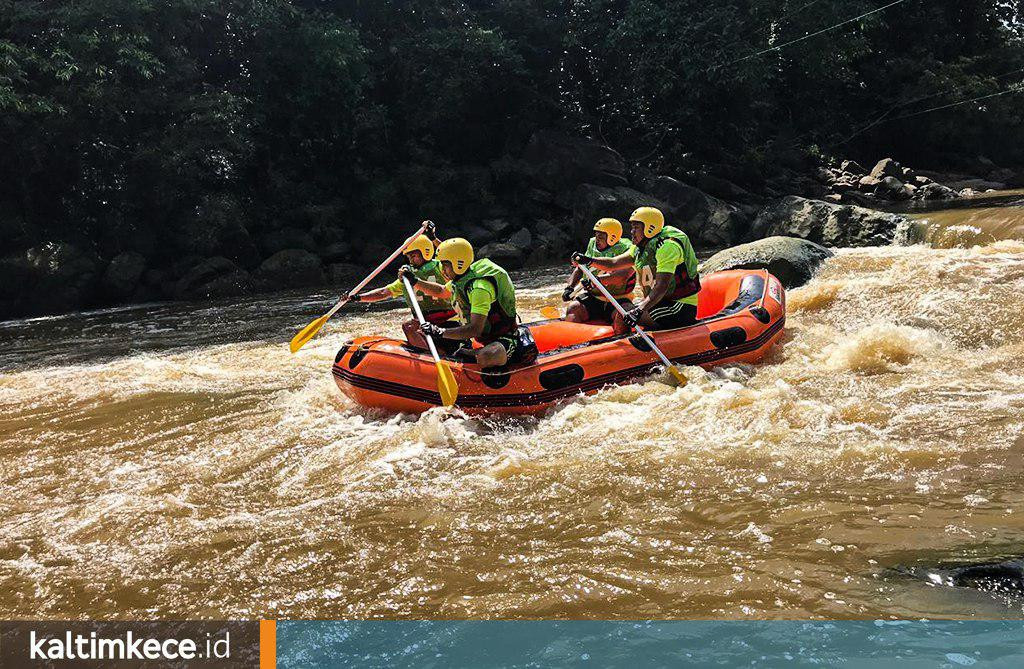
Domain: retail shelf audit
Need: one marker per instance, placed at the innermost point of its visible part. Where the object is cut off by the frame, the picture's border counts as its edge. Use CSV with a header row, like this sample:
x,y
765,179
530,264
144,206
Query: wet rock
x,y
833,197
590,203
557,161
792,260
978,185
892,188
54,277
123,276
843,186
830,224
1005,577
551,244
336,252
286,238
211,278
1012,178
852,167
887,167
723,188
706,219
934,191
511,254
868,182
921,180
290,268
344,274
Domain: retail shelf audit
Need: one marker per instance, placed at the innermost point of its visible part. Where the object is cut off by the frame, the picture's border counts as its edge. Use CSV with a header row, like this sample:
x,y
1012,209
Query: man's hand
x,y
431,330
633,316
430,230
350,297
588,285
405,272
567,294
580,259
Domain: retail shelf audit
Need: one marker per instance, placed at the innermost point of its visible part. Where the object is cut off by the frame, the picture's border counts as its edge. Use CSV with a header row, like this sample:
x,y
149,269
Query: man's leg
x,y
514,348
492,355
576,312
671,316
618,325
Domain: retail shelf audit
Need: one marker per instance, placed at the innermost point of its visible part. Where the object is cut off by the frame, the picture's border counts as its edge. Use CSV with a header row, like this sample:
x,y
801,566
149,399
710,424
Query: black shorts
x,y
597,309
668,315
519,346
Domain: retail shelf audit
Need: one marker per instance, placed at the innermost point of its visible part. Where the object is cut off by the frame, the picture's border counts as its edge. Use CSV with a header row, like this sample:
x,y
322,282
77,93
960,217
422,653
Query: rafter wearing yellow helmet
x,y
420,255
666,267
483,295
591,305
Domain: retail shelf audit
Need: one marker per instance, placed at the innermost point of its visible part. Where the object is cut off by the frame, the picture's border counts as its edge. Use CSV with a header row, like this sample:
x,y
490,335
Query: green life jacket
x,y
502,318
619,286
685,281
429,271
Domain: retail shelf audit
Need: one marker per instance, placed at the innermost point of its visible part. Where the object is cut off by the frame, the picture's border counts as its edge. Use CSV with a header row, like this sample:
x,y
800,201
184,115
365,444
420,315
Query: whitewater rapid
x,y
177,461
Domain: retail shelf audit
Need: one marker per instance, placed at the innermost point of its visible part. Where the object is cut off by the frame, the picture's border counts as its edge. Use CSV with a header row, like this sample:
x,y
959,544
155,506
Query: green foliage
x,y
123,123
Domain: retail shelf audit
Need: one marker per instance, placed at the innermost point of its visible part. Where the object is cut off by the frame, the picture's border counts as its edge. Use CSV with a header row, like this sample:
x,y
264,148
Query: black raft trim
x,y
548,396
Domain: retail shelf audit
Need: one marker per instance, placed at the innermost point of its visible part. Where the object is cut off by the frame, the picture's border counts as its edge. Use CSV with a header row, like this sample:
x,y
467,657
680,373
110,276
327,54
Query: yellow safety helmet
x,y
652,219
423,245
610,227
458,252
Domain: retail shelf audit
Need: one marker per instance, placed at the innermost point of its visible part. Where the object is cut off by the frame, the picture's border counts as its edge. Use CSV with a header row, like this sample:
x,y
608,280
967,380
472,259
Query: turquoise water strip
x,y
529,644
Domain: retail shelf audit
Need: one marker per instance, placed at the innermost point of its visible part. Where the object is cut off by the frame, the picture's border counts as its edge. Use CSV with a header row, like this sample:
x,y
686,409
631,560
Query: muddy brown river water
x,y
176,461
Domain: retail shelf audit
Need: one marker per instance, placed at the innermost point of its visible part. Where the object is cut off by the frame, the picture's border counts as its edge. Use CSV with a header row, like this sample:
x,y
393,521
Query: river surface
x,y
175,461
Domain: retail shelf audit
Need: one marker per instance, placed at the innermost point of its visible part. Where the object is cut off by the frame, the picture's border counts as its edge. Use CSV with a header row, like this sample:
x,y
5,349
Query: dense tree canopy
x,y
124,123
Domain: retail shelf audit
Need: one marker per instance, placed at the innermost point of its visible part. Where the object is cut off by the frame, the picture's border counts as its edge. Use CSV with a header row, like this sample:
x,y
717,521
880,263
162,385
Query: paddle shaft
x,y
618,307
419,316
374,273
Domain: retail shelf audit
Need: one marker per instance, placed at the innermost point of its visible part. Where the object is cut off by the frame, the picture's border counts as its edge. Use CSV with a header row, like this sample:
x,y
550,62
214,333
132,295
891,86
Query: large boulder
x,y
887,167
590,202
286,238
830,224
557,161
123,276
54,277
550,243
792,260
212,278
290,268
852,167
335,252
706,219
510,254
934,191
979,185
1012,178
892,188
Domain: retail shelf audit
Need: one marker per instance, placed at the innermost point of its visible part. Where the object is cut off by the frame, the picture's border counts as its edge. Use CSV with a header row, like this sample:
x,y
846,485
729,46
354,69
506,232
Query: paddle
x,y
446,384
551,312
308,332
650,342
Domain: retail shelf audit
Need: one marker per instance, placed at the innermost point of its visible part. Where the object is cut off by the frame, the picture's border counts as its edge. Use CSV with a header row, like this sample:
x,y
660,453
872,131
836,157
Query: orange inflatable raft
x,y
741,312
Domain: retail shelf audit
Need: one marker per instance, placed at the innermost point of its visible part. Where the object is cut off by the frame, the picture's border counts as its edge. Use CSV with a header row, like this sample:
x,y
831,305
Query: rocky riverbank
x,y
560,185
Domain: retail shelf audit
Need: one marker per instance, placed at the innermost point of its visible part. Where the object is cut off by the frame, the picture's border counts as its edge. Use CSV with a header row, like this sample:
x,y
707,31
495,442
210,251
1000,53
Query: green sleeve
x,y
668,257
481,297
396,289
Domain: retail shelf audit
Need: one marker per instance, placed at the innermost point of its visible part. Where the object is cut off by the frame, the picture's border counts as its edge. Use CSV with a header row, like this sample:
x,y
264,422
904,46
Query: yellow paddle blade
x,y
307,333
446,384
550,312
674,371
